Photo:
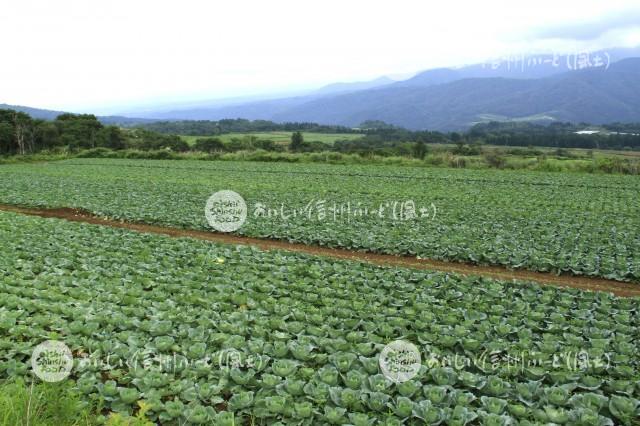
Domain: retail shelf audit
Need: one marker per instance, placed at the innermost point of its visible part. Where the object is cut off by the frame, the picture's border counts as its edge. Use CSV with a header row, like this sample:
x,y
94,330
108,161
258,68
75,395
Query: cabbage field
x,y
558,222
202,333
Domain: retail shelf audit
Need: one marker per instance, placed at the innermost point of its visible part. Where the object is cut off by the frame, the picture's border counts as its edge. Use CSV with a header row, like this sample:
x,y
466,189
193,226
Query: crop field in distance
x,y
281,138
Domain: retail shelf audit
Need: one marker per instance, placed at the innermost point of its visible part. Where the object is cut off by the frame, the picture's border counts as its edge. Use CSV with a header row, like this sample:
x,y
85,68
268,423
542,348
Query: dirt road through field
x,y
497,272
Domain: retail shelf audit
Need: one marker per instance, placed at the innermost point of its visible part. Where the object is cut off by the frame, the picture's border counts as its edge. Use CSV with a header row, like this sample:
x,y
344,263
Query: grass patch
x,y
58,404
43,404
490,158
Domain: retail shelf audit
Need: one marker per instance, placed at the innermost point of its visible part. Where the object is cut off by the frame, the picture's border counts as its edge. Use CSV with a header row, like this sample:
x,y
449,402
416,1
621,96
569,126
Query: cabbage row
x,y
295,339
580,224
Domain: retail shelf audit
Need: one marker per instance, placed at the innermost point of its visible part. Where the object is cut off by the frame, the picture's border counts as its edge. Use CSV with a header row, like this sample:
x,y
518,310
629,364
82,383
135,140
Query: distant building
x,y
587,132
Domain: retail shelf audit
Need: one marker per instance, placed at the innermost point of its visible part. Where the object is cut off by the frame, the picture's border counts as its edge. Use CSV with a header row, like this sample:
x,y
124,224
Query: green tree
x,y
21,127
6,138
297,140
47,135
110,137
78,130
420,150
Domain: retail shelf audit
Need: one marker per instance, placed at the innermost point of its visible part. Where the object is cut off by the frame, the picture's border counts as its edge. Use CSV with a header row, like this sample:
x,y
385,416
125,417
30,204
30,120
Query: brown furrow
x,y
565,280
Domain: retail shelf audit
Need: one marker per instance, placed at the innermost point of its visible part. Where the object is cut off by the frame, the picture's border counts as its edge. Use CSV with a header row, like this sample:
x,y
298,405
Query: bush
x,y
96,153
268,145
208,145
563,152
458,162
149,141
420,150
435,159
237,144
494,159
548,165
470,149
617,165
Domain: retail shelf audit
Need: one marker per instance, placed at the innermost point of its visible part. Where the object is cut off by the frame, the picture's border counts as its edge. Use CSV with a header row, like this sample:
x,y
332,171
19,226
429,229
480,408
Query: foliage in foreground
x,y
203,334
42,404
37,403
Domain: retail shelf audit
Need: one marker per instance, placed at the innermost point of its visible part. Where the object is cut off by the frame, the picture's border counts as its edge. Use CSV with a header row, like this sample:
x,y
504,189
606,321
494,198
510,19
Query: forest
x,y
20,134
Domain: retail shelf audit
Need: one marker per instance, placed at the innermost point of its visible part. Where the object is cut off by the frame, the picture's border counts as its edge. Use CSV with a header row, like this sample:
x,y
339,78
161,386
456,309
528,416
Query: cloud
x,y
592,29
68,57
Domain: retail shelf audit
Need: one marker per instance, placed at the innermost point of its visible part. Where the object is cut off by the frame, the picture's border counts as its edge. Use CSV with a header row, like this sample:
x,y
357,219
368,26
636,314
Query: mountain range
x,y
599,87
591,95
540,88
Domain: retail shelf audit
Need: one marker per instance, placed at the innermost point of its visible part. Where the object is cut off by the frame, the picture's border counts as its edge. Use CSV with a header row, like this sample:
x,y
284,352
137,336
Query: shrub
x,y
208,145
494,159
458,162
95,153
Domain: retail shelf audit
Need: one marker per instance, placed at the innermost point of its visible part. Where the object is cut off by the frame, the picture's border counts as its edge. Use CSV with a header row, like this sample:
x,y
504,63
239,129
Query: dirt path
x,y
565,280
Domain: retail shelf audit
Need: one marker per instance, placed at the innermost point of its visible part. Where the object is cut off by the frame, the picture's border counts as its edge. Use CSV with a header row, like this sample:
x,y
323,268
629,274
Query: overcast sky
x,y
114,55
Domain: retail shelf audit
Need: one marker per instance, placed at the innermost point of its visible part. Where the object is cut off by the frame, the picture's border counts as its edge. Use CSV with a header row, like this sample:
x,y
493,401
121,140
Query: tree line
x,y
20,134
557,135
237,125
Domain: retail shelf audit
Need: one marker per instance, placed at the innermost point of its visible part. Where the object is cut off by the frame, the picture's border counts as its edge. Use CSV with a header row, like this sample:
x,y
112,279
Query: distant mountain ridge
x,y
523,67
353,87
47,114
537,88
591,95
43,114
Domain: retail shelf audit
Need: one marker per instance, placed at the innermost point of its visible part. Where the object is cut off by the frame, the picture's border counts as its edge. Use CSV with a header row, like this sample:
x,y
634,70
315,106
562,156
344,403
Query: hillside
x,y
593,95
447,100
